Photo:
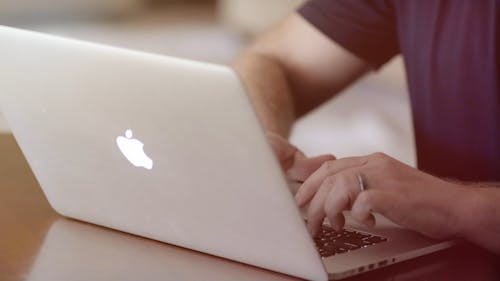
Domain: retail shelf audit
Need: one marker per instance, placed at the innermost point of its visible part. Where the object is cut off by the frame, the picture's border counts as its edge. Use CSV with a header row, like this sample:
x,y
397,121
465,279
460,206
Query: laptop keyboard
x,y
330,242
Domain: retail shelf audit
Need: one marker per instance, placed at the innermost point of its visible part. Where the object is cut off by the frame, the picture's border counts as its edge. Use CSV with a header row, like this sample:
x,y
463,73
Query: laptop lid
x,y
83,114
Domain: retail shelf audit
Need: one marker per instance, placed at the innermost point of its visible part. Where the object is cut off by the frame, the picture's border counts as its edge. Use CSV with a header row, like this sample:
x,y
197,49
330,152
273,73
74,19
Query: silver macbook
x,y
171,150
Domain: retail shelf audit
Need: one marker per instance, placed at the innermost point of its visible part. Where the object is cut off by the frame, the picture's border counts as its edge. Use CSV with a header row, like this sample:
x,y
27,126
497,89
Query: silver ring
x,y
361,182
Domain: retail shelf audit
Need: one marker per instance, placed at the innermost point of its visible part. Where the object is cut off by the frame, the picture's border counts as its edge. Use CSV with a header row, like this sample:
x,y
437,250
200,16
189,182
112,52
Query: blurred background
x,y
372,115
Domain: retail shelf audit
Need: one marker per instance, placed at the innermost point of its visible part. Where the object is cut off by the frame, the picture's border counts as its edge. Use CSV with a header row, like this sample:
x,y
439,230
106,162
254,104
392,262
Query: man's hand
x,y
294,163
404,195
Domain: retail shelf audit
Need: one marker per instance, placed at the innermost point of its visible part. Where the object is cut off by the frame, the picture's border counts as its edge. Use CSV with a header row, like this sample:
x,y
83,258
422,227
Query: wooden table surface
x,y
38,244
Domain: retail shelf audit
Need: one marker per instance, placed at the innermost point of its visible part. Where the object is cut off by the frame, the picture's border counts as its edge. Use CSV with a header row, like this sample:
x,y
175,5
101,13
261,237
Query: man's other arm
x,y
292,69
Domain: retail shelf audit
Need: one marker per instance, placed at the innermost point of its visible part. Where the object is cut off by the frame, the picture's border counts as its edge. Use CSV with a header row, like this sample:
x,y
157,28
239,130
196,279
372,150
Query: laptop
x,y
171,150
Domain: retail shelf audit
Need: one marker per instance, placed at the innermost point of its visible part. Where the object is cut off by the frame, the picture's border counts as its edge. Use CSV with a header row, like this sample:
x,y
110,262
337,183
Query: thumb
x,y
303,167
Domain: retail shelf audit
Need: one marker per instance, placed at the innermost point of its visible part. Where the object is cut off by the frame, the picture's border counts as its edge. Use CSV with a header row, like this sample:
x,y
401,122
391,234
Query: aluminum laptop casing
x,y
215,186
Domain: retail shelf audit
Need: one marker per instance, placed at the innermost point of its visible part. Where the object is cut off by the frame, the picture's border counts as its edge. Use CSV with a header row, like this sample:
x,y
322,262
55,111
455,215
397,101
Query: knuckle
x,y
330,181
331,157
338,183
379,155
382,159
328,165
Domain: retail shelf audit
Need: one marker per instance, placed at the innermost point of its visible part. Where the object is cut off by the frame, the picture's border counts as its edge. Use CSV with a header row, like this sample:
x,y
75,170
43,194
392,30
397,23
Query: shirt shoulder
x,y
367,28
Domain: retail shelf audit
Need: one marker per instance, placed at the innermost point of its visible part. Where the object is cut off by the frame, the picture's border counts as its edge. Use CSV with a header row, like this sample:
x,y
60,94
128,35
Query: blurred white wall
x,y
255,16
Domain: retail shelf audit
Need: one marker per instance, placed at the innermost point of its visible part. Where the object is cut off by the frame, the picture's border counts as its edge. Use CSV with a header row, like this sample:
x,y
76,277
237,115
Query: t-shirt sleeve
x,y
366,28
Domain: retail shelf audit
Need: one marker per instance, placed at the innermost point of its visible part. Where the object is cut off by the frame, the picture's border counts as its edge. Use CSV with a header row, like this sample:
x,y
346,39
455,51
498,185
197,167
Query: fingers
x,y
312,184
316,212
340,198
335,187
303,167
336,194
297,166
337,222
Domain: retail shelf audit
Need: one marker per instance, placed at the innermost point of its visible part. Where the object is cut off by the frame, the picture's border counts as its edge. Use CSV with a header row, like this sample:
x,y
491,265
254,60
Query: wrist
x,y
468,209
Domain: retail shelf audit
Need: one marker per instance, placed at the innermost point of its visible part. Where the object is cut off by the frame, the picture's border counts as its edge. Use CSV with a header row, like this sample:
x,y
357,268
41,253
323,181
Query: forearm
x,y
267,86
478,215
292,69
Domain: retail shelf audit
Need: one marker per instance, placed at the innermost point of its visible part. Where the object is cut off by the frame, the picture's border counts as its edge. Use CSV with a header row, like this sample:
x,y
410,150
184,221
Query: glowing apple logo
x,y
133,150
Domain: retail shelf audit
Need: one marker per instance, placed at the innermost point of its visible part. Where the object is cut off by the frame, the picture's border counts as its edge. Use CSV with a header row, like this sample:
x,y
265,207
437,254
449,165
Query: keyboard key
x,y
331,242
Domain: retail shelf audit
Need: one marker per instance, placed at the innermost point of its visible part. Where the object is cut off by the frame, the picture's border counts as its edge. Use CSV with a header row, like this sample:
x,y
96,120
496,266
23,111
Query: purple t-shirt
x,y
451,52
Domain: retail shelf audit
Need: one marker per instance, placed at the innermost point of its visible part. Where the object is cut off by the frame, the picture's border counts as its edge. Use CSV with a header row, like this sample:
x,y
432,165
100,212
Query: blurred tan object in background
x,y
34,10
255,16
